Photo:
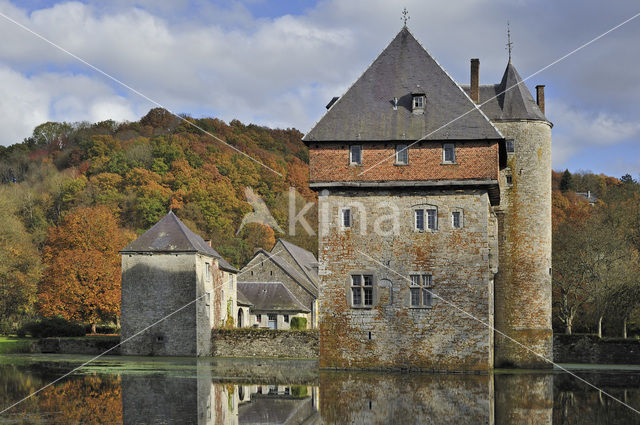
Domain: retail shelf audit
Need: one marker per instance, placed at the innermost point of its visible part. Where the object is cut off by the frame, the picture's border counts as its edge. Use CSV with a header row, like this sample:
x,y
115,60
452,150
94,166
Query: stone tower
x,y
407,168
523,281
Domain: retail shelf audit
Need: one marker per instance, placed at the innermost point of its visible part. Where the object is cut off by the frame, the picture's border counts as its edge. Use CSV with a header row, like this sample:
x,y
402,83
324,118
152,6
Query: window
x,y
355,155
418,102
419,219
346,217
509,179
361,290
510,146
258,318
448,153
286,318
456,219
429,222
420,290
207,271
402,154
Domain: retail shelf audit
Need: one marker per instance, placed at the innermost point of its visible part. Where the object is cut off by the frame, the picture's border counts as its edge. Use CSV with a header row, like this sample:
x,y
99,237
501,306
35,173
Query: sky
x,y
278,63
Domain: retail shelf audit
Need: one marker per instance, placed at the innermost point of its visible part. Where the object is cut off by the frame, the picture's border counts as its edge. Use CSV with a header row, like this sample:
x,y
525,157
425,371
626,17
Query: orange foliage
x,y
82,277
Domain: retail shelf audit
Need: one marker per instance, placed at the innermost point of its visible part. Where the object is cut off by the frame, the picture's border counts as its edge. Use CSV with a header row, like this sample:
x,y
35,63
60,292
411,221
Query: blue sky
x,y
277,63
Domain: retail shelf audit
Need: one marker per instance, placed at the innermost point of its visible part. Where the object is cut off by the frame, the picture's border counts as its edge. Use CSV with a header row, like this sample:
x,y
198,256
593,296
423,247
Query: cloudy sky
x,y
277,63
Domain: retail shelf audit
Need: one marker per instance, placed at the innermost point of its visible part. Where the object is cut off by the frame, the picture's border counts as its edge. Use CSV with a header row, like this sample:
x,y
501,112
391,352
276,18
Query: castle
x,y
434,219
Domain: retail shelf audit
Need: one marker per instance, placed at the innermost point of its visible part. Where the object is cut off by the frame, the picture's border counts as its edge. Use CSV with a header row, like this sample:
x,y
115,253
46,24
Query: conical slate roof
x,y
171,235
509,100
365,112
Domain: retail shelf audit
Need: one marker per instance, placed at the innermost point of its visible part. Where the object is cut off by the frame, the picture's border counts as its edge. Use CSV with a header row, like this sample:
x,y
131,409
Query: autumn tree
x,y
82,276
20,267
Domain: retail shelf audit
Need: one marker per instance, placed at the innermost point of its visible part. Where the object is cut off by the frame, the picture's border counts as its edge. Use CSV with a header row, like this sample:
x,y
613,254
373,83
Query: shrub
x,y
56,326
299,323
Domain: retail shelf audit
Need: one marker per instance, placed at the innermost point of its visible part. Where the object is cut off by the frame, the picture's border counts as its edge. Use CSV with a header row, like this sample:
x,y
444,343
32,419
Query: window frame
x,y
351,149
404,150
427,218
342,218
207,272
445,147
365,292
423,286
418,102
460,214
510,143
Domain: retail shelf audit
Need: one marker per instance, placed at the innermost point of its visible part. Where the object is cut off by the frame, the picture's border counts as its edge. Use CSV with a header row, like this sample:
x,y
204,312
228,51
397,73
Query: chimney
x,y
475,80
208,242
540,97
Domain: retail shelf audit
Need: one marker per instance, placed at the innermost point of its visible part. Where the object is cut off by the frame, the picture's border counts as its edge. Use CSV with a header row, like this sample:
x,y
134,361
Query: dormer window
x,y
417,104
355,155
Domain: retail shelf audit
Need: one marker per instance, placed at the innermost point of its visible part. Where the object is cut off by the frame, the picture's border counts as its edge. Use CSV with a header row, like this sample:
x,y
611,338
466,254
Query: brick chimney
x,y
540,97
208,242
475,80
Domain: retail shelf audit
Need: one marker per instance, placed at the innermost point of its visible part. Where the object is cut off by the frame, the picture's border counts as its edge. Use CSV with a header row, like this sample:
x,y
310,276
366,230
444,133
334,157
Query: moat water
x,y
125,390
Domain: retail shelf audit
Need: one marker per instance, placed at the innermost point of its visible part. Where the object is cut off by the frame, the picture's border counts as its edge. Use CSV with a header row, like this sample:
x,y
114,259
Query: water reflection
x,y
205,392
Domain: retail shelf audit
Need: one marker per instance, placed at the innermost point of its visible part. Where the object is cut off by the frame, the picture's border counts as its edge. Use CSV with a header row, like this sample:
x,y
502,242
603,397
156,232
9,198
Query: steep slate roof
x,y
305,259
365,112
509,100
171,235
270,296
242,299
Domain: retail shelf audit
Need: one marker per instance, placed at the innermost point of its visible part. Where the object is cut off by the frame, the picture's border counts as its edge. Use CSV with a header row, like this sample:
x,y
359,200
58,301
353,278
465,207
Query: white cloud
x,y
578,130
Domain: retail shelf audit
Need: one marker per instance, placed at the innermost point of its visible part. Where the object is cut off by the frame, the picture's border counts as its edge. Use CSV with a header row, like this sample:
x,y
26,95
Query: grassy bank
x,y
14,344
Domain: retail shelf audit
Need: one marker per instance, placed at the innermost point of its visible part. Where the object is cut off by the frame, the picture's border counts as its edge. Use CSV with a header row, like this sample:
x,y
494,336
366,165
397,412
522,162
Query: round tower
x,y
523,282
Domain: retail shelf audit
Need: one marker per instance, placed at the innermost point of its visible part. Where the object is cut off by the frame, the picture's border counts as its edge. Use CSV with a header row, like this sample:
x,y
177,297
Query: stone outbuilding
x,y
175,289
291,265
273,306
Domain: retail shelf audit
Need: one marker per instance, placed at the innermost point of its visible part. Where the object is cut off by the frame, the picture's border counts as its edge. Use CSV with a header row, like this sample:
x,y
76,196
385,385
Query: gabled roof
x,y
300,278
241,299
509,100
365,112
305,259
270,296
172,236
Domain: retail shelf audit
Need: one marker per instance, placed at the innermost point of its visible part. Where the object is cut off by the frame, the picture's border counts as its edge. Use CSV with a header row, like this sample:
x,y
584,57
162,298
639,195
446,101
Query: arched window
x,y
240,317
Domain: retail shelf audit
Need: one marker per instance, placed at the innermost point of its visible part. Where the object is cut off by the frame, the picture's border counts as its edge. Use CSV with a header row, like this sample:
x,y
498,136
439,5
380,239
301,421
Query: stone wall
x,y
594,350
392,334
329,162
154,286
523,282
248,342
85,345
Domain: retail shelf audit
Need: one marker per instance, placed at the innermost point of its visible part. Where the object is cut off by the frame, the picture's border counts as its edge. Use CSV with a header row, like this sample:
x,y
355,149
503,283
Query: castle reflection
x,y
341,398
187,391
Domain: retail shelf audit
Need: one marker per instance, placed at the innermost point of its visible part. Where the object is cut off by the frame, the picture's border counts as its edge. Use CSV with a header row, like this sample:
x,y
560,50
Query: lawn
x,y
14,344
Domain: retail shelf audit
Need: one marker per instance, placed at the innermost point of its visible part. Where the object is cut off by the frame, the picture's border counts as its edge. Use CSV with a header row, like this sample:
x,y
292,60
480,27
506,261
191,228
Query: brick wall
x,y
329,162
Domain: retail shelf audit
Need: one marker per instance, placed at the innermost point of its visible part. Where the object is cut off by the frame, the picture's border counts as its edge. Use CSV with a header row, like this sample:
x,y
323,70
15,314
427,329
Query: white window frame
x,y
418,102
429,219
404,151
351,151
445,147
421,283
207,272
460,219
363,290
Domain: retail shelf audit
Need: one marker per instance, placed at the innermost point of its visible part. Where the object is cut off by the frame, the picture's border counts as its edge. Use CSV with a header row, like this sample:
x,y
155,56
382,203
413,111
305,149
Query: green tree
x,y
566,182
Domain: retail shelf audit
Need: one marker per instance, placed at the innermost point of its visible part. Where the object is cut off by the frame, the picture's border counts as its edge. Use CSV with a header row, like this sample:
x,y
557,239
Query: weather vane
x,y
405,16
509,43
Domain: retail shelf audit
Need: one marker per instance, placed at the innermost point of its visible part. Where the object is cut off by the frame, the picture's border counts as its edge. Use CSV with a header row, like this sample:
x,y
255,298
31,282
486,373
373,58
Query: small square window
x,y
510,146
448,153
456,219
420,292
346,217
355,155
402,154
286,318
509,179
418,102
258,318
